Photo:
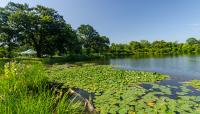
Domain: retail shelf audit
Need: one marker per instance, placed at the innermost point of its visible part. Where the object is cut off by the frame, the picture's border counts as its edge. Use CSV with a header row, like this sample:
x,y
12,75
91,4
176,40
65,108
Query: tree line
x,y
192,45
45,30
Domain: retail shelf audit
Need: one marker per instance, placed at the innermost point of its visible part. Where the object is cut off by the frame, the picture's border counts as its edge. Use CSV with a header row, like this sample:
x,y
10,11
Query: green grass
x,y
24,90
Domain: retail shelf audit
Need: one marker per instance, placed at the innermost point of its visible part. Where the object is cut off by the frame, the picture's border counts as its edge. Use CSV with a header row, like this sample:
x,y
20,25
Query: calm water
x,y
180,68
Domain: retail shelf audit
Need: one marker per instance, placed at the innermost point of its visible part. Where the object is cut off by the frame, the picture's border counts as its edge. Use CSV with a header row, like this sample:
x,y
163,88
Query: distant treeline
x,y
192,45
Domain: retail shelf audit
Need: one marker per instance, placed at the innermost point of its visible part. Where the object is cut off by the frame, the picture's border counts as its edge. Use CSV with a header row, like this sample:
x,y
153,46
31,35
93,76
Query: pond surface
x,y
172,93
180,68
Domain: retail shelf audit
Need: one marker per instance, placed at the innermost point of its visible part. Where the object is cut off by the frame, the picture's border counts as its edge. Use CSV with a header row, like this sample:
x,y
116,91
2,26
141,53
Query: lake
x,y
180,68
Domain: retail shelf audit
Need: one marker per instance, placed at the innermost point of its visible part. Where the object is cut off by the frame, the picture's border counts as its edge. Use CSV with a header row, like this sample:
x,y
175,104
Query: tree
x,y
145,43
39,26
87,34
135,46
68,41
100,44
192,41
9,35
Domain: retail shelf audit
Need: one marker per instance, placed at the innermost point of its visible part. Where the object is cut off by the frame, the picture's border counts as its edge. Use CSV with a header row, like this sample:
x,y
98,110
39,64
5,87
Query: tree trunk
x,y
36,46
9,51
39,53
87,51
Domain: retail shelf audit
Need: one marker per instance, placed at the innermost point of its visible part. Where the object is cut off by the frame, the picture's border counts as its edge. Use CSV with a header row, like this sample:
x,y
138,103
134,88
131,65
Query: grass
x,y
24,90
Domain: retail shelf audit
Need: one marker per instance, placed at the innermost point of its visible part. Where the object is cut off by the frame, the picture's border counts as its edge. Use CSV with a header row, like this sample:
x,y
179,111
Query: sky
x,y
127,20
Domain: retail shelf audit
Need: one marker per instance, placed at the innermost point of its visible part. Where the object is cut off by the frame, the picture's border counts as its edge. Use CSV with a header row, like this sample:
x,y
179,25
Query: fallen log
x,y
61,91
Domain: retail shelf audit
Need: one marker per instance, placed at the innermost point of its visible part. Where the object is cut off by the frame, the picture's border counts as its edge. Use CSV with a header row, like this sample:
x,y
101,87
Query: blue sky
x,y
126,20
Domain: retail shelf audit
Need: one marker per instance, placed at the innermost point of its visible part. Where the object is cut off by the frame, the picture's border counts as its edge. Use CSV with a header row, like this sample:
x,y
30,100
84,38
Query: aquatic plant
x,y
141,101
119,91
99,78
194,83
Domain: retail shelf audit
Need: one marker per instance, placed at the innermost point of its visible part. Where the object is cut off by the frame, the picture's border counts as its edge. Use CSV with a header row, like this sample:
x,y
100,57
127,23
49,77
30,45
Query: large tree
x,y
39,26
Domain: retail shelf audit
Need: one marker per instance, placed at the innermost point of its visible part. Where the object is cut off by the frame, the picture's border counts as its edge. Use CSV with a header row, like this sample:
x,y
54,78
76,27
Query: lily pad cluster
x,y
100,78
119,91
194,83
156,100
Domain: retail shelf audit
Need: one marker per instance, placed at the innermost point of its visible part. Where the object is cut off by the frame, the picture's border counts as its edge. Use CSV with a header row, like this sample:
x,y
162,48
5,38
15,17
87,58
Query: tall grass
x,y
24,90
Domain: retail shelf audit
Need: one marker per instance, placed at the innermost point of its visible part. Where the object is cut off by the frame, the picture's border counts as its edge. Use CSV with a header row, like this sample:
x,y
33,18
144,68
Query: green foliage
x,y
191,46
38,26
91,39
71,58
7,34
101,44
192,41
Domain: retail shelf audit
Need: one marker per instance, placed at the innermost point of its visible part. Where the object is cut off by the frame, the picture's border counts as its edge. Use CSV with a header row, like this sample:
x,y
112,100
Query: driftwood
x,y
88,105
60,92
